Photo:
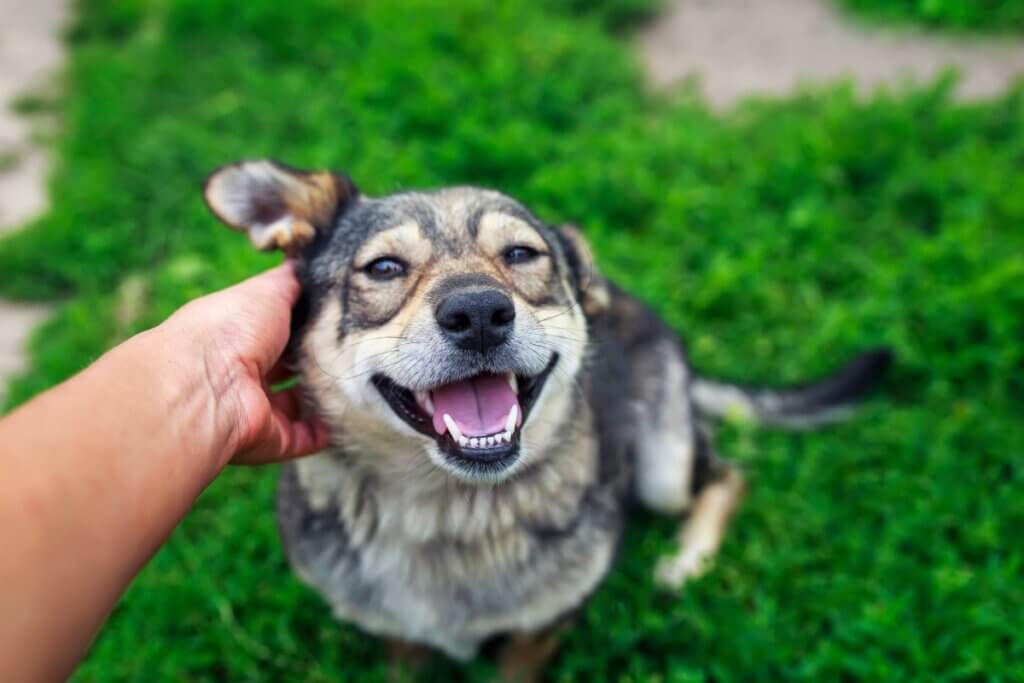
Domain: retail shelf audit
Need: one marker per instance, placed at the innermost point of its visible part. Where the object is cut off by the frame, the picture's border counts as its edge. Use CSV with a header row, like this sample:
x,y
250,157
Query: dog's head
x,y
453,321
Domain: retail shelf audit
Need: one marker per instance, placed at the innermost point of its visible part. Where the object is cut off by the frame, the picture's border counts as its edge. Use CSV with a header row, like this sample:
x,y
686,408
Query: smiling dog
x,y
494,405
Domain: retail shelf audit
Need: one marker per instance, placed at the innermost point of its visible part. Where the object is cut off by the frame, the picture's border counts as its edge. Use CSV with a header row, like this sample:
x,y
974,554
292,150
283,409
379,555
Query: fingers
x,y
286,434
281,372
285,439
288,403
277,283
301,438
264,307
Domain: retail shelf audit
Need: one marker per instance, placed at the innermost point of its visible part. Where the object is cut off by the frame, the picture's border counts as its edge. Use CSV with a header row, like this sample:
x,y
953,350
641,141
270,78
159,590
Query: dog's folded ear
x,y
279,207
591,288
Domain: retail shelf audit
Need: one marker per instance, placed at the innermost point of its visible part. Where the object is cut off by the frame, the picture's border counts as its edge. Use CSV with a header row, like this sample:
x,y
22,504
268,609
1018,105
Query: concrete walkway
x,y
30,53
743,47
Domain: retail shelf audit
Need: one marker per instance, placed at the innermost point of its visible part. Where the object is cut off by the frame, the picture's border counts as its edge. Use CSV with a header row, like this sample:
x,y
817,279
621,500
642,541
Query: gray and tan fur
x,y
416,542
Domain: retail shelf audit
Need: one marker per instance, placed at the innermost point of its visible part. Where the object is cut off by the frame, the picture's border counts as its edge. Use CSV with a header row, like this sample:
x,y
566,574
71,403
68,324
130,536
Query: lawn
x,y
778,238
975,16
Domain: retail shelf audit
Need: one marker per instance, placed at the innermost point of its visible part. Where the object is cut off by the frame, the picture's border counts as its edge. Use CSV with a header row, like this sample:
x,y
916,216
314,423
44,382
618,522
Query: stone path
x,y
30,52
743,47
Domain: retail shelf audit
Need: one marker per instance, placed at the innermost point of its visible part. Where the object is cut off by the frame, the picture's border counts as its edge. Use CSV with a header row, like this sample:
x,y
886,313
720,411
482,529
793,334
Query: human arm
x,y
98,471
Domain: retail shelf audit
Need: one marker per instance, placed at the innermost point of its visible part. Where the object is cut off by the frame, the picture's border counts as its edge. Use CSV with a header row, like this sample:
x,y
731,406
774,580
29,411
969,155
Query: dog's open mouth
x,y
476,421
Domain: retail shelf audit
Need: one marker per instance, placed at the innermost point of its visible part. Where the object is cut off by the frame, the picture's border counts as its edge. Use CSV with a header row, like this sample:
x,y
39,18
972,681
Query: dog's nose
x,y
476,321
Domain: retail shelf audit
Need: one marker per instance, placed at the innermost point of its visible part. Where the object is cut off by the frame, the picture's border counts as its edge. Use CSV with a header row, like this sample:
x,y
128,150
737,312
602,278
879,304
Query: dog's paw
x,y
673,571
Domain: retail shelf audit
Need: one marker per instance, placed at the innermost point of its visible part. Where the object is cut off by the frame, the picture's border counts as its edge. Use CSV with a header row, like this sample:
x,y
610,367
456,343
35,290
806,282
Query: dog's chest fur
x,y
422,558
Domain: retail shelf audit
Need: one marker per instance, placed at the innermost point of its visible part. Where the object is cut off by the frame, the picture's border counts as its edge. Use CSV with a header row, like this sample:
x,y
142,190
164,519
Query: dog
x,y
495,406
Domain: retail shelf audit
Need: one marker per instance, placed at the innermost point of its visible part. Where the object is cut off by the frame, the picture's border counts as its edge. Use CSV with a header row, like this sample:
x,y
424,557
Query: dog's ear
x,y
279,207
591,288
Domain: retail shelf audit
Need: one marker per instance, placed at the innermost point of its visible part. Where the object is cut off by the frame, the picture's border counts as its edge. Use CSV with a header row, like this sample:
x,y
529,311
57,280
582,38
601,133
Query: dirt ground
x,y
742,47
30,52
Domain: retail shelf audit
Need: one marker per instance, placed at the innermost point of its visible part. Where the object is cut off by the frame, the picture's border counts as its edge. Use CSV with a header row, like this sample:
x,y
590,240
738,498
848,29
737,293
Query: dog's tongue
x,y
479,405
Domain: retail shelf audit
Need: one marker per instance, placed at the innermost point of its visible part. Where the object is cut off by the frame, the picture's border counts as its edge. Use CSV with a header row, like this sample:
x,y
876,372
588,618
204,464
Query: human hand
x,y
105,465
235,339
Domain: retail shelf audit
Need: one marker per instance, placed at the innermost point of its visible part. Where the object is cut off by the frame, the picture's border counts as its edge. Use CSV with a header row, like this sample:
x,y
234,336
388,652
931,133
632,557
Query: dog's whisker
x,y
566,310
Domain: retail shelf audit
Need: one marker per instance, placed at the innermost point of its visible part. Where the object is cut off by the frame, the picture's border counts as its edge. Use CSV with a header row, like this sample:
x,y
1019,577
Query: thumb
x,y
262,307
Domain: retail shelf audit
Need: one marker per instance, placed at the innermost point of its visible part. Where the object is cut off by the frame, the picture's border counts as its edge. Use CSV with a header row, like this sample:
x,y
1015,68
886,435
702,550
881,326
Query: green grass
x,y
956,15
778,238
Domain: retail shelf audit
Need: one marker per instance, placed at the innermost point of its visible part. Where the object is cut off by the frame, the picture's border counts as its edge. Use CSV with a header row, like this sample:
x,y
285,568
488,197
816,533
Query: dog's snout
x,y
476,321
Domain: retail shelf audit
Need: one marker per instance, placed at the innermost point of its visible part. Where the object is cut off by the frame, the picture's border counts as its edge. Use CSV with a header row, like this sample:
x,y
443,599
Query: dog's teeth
x,y
513,415
453,428
491,441
425,402
474,442
463,442
513,382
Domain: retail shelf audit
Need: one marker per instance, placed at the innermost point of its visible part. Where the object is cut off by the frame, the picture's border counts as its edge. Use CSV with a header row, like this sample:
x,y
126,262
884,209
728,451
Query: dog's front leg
x,y
701,534
405,659
522,656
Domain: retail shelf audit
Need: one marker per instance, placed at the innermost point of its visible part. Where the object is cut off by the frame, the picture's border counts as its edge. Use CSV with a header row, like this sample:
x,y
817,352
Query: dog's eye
x,y
520,254
385,268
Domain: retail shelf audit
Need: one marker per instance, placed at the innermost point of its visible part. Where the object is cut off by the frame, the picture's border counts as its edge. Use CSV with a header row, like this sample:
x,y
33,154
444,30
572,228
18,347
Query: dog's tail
x,y
826,400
